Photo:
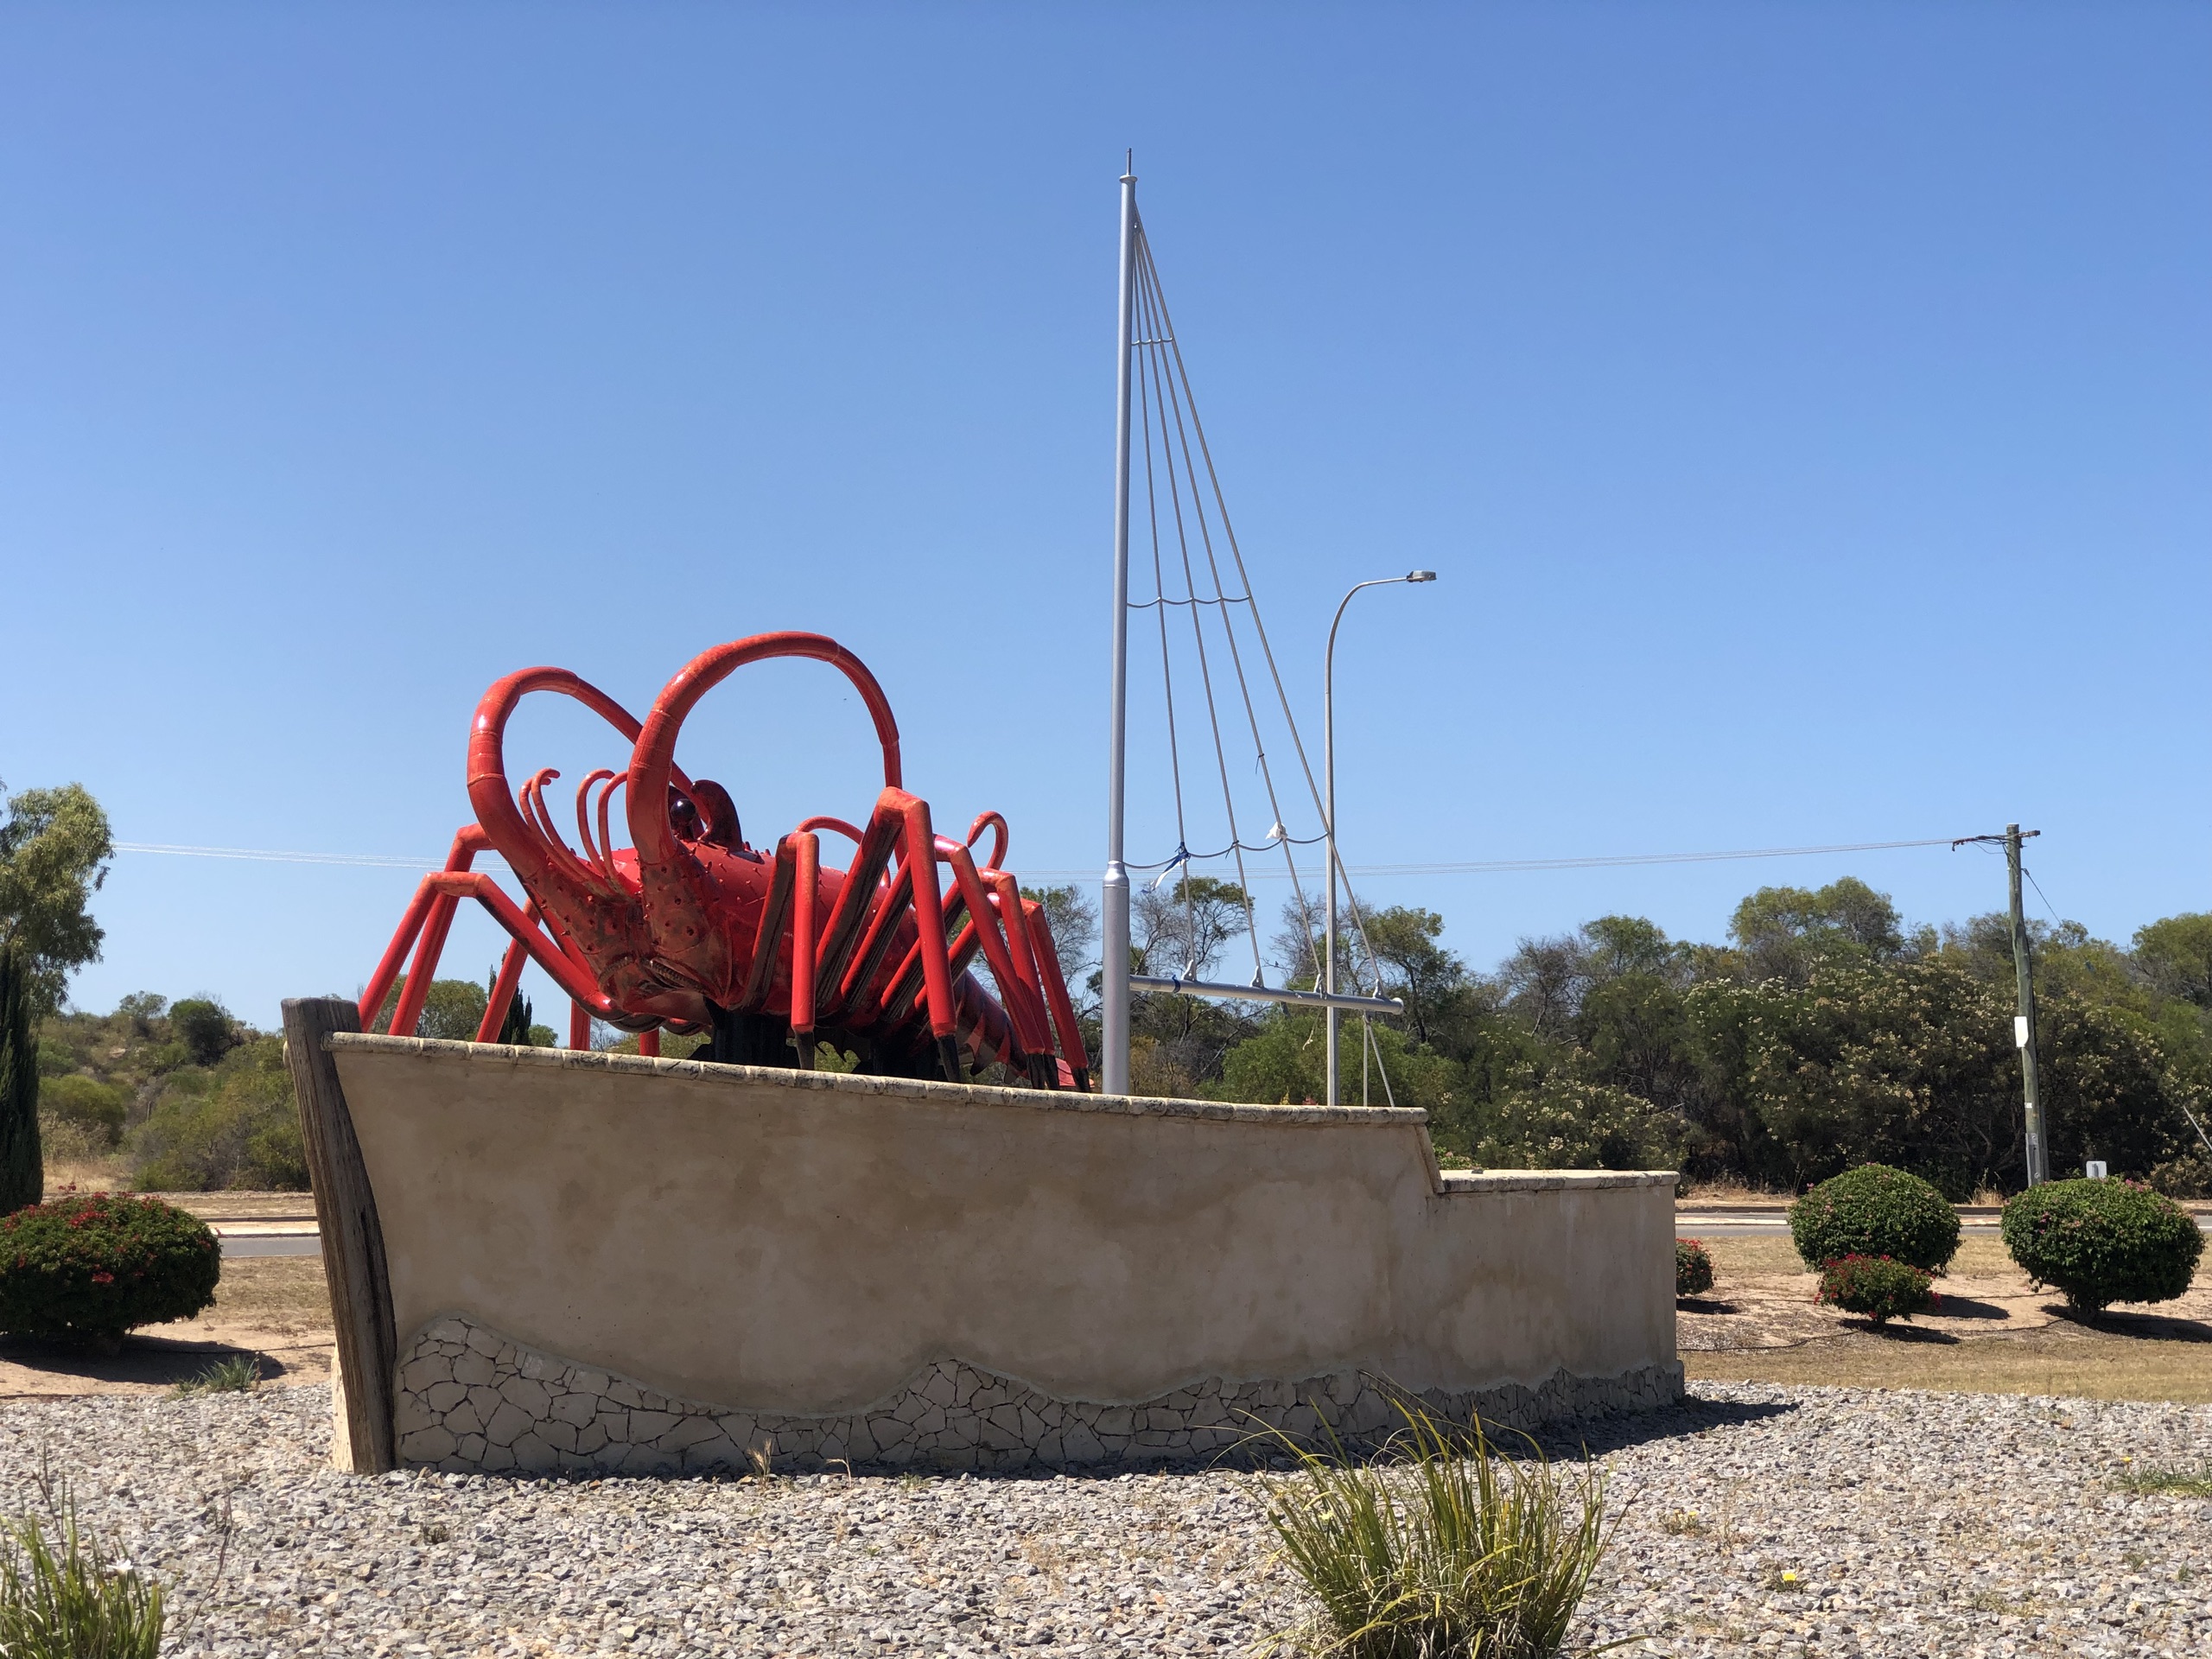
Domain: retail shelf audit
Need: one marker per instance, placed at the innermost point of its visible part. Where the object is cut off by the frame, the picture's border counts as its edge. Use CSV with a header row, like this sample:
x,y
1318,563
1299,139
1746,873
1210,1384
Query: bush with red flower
x,y
1878,1286
87,1267
1693,1268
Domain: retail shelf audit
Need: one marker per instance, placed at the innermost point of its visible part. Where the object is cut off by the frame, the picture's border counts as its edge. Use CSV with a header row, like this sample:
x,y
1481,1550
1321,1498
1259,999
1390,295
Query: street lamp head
x,y
1420,576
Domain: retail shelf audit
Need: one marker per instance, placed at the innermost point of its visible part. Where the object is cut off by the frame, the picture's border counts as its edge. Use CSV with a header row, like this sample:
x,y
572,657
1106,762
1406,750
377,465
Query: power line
x,y
271,855
1506,866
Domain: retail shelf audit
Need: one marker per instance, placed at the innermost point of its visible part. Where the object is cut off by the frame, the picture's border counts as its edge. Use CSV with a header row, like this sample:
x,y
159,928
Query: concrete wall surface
x,y
805,1245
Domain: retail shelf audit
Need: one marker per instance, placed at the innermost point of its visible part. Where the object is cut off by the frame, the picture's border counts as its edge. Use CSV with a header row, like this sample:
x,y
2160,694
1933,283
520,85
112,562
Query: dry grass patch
x,y
272,1293
1982,1255
2059,1359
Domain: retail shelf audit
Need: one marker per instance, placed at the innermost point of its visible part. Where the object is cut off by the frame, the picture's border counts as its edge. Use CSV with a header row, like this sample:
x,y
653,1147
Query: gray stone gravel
x,y
1915,1523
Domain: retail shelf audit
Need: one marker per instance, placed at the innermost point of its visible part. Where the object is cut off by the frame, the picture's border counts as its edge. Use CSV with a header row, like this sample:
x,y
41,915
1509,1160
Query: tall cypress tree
x,y
22,1168
515,1028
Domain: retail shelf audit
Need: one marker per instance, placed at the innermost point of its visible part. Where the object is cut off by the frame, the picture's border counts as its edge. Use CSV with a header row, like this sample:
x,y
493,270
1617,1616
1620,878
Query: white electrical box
x,y
2094,1169
2019,1031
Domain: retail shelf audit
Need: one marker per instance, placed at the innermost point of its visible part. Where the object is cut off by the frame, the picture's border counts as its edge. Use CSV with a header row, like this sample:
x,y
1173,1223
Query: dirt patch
x,y
1995,1332
275,1307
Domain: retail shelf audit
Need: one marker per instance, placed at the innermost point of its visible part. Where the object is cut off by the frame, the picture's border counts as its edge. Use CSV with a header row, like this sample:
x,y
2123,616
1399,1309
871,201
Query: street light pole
x,y
1329,813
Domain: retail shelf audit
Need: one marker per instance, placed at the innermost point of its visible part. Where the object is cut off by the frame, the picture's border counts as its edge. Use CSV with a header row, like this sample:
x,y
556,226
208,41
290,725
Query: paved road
x,y
244,1236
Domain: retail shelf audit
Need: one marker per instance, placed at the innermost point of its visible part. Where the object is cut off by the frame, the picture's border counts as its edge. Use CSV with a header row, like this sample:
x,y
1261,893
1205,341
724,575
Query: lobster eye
x,y
683,816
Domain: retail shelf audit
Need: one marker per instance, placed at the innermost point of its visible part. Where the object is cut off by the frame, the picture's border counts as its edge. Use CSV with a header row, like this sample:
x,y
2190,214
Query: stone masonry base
x,y
471,1400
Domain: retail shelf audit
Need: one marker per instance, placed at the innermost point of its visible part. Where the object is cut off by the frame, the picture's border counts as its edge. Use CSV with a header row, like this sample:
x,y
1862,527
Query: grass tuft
x,y
61,1597
1438,1548
240,1374
2178,1482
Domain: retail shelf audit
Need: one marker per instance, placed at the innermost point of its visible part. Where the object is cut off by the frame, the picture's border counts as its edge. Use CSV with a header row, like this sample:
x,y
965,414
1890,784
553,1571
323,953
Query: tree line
x,y
1822,1033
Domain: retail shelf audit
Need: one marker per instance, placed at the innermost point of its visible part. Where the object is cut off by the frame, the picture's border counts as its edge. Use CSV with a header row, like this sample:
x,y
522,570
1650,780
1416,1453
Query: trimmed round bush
x,y
2103,1242
86,1268
1878,1286
1875,1211
1693,1268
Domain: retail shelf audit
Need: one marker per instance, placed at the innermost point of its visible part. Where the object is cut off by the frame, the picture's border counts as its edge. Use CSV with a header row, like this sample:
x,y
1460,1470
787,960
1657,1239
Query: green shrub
x,y
1438,1548
205,1027
88,1267
1693,1268
62,1598
98,1108
1566,1123
1878,1286
1875,1211
233,1127
2103,1242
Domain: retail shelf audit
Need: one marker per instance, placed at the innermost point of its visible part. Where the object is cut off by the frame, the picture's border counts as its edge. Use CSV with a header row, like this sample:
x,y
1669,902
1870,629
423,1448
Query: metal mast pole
x,y
1114,894
2024,1027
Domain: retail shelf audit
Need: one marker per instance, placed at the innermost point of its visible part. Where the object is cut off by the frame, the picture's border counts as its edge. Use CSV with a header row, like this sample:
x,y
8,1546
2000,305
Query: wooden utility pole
x,y
2024,1026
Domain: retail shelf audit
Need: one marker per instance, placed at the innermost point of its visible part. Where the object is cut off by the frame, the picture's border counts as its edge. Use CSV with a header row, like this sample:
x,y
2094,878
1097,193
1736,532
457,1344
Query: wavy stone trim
x,y
470,1400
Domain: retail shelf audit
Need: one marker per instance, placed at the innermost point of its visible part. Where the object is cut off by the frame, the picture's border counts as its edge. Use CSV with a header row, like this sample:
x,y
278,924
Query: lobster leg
x,y
430,915
1032,1041
503,993
929,922
803,940
1056,992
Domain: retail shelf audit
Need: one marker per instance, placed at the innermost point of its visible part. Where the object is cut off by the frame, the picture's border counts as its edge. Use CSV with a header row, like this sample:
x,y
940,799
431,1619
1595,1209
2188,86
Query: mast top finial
x,y
1128,167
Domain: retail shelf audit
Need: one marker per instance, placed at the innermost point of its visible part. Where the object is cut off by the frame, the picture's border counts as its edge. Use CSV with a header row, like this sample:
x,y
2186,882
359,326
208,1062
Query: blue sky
x,y
1805,407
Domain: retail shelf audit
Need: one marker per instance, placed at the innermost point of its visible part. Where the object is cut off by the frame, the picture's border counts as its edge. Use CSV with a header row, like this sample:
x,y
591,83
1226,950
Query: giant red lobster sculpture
x,y
769,951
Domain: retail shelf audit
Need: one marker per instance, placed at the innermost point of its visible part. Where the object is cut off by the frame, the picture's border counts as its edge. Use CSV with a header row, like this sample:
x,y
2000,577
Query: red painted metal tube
x,y
849,916
805,937
579,1026
995,821
928,916
649,1043
503,993
467,841
1007,891
1029,1030
410,923
653,758
892,906
768,933
1056,988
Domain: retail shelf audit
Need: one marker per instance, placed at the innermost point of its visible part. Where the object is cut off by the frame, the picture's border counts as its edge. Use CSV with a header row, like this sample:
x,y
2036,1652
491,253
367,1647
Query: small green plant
x,y
1682,1523
240,1374
2179,1483
61,1597
1877,1286
1693,1268
1435,1547
2098,1242
87,1267
1875,1211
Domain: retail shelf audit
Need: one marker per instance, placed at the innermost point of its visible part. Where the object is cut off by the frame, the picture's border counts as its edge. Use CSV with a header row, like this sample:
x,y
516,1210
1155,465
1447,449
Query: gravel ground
x,y
1916,1523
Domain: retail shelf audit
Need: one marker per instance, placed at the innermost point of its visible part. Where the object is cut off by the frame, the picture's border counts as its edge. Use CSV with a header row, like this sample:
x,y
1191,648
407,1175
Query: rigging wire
x,y
1168,378
1155,385
1164,333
